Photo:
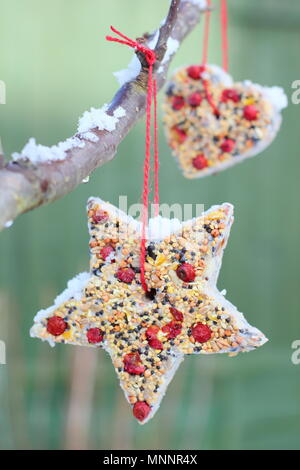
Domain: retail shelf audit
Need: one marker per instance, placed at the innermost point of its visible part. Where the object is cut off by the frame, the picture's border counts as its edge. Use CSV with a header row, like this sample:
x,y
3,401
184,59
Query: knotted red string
x,y
151,93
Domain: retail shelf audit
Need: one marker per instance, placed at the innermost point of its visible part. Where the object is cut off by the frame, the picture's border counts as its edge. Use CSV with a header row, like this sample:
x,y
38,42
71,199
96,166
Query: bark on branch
x,y
24,186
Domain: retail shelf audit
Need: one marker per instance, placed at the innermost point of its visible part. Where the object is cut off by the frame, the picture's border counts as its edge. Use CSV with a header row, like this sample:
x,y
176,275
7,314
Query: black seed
x,y
151,294
151,252
137,270
170,90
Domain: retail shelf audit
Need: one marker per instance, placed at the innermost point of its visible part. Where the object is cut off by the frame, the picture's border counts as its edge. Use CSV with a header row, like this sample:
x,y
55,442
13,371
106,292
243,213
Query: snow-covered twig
x,y
39,175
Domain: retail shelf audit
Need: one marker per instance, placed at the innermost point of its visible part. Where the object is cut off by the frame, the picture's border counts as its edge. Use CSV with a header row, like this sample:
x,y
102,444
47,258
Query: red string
x,y
151,93
145,196
209,98
224,29
224,34
204,60
206,34
156,156
149,54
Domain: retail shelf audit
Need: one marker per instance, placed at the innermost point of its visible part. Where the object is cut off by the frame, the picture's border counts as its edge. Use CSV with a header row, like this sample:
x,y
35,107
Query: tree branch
x,y
25,186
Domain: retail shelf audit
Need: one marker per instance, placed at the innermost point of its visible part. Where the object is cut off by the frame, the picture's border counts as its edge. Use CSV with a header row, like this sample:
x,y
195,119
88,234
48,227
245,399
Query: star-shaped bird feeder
x,y
148,334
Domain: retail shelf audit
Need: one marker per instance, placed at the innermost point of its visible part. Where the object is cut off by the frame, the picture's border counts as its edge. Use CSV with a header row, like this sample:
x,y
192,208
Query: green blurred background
x,y
56,64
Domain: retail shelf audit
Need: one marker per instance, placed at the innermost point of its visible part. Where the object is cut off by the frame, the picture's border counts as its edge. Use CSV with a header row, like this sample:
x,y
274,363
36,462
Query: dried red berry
x,y
132,364
180,134
230,94
195,99
100,216
172,329
186,272
56,325
106,251
200,162
94,335
227,145
141,410
155,344
152,331
250,112
177,102
126,275
151,335
176,314
201,333
195,71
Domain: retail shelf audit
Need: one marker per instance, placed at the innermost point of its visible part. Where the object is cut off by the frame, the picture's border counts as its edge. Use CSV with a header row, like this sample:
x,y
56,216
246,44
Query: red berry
x,y
152,331
173,329
195,99
250,112
177,102
155,344
106,251
227,145
180,134
230,94
151,335
141,410
195,71
200,162
100,216
186,272
132,364
56,325
94,335
126,275
177,315
201,333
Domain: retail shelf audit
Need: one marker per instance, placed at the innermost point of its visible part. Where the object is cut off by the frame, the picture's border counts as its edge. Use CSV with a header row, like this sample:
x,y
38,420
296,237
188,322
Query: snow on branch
x,y
39,174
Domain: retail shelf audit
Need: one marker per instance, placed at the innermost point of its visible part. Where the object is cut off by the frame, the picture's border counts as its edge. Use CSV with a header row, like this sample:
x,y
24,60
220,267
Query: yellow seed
x,y
160,259
132,399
